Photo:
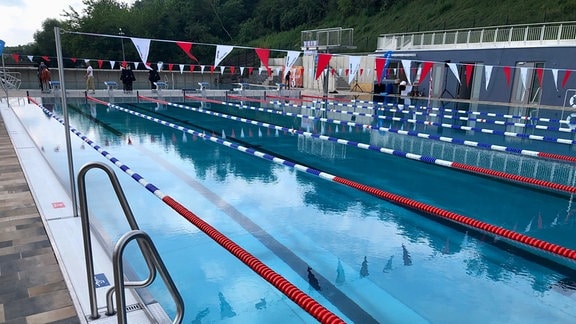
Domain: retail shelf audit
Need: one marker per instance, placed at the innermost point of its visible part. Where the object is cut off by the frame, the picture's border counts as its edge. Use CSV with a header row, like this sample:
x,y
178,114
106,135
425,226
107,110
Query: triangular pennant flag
x,y
136,65
212,68
291,57
333,71
250,70
380,62
260,69
112,64
46,58
170,66
222,69
181,66
487,74
426,66
555,76
232,69
340,71
540,74
523,75
347,71
221,52
454,70
263,55
202,67
353,66
30,58
361,71
241,70
323,61
87,61
406,65
187,48
192,67
143,48
469,70
100,62
507,70
566,77
15,57
160,65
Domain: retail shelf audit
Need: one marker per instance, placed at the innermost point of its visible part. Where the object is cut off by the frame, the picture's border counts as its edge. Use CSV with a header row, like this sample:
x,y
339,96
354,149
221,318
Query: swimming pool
x,y
375,261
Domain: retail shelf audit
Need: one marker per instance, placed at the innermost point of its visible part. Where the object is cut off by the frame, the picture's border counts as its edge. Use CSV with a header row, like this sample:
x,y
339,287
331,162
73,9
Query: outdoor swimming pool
x,y
374,261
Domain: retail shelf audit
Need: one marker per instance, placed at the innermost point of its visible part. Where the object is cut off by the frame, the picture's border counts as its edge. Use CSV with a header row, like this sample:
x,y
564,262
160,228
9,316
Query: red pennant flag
x,y
192,67
426,66
264,55
187,48
269,70
232,69
347,71
333,71
380,63
469,68
100,62
170,66
15,57
323,60
506,70
540,73
124,63
211,68
73,60
46,58
566,77
361,71
250,69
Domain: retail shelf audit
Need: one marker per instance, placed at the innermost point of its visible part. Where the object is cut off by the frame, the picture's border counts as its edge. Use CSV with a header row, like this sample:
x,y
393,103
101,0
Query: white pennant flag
x,y
353,67
222,69
406,64
291,57
87,61
523,75
160,65
241,70
454,70
112,63
221,52
31,58
202,67
136,64
260,69
143,48
340,71
487,74
555,75
181,66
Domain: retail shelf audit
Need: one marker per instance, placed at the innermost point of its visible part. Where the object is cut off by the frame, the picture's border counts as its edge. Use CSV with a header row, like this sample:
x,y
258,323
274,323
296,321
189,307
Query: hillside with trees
x,y
270,23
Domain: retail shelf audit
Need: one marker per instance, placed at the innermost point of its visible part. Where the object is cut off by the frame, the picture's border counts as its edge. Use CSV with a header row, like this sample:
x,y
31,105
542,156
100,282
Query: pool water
x,y
374,261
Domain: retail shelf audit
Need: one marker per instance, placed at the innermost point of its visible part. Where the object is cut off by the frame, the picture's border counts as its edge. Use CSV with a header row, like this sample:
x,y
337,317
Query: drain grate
x,y
133,307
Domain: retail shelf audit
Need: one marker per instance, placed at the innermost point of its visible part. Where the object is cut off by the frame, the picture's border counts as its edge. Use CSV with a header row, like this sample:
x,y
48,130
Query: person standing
x,y
127,77
153,77
287,79
41,68
90,79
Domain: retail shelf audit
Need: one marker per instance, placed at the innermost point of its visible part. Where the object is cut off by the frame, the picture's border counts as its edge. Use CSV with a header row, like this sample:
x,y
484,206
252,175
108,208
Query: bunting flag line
x,y
380,62
221,52
143,48
454,70
264,56
555,76
566,77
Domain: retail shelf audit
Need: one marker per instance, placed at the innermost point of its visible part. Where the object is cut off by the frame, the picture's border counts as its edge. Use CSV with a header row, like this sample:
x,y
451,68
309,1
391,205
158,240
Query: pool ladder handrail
x,y
149,252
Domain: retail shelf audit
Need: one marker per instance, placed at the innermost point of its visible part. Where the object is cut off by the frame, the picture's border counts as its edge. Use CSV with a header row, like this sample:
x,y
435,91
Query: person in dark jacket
x,y
153,76
127,78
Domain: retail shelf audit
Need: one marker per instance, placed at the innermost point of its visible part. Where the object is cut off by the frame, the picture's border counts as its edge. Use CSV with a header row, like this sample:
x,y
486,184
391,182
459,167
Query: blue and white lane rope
x,y
445,125
493,147
416,157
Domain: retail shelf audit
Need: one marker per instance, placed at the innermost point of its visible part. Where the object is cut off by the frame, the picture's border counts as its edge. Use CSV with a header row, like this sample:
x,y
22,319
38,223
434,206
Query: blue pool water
x,y
375,261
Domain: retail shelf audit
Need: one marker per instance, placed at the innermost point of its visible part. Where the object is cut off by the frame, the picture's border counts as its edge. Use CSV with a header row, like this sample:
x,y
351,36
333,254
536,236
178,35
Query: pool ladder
x,y
151,256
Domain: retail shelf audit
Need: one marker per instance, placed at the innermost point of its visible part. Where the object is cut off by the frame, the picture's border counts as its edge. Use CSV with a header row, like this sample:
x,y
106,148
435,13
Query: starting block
x,y
161,85
280,86
203,85
241,86
55,85
111,85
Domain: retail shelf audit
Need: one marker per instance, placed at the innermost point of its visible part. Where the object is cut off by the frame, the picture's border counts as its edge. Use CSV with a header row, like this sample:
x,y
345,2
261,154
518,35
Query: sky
x,y
20,19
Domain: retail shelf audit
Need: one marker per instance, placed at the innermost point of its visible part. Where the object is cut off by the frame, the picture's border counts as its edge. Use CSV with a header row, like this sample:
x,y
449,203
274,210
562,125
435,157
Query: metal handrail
x,y
143,239
526,33
88,241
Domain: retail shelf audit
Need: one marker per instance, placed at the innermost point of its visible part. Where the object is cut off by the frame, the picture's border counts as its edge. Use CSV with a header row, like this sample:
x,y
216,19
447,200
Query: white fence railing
x,y
516,35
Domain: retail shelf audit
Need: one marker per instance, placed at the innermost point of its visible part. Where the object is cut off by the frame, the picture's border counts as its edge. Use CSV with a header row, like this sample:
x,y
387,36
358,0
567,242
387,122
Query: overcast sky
x,y
20,19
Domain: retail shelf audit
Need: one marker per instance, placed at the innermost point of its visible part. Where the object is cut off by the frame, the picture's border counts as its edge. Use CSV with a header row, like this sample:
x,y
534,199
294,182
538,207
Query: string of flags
x,y
414,75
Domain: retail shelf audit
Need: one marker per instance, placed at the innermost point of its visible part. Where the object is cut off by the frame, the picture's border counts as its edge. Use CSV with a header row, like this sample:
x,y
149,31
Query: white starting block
x,y
203,85
54,85
241,87
111,85
280,86
161,85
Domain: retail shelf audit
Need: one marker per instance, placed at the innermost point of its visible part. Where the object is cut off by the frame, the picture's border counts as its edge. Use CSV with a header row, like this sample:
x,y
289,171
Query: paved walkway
x,y
32,287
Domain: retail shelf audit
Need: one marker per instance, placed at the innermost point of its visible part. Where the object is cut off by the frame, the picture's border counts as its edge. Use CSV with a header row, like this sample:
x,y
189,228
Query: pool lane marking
x,y
394,198
493,147
375,148
290,290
